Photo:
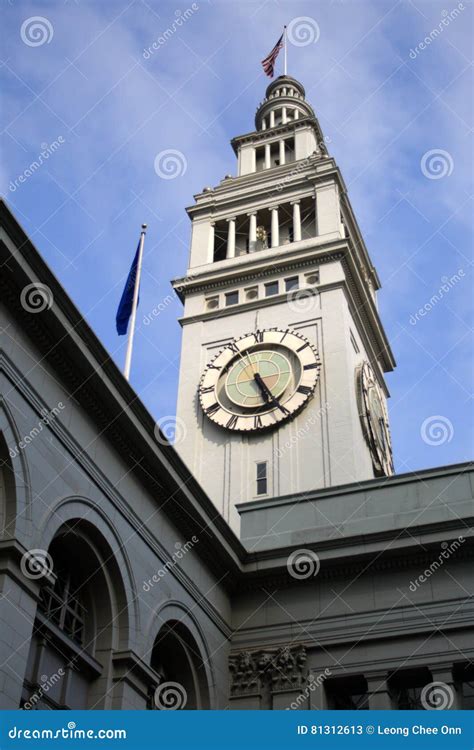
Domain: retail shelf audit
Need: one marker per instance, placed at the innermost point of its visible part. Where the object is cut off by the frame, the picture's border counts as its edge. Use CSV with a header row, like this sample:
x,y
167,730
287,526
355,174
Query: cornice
x,y
246,188
378,552
244,274
255,136
402,621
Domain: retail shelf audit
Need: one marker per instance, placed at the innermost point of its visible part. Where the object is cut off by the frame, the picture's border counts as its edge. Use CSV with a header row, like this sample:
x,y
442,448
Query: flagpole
x,y
131,332
285,46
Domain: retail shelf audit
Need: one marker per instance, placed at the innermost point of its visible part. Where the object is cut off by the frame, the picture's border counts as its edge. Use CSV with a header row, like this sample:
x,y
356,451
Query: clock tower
x,y
281,386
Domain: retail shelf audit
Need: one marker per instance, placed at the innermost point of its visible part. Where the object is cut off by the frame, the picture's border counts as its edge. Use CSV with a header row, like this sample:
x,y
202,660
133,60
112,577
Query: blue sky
x,y
384,103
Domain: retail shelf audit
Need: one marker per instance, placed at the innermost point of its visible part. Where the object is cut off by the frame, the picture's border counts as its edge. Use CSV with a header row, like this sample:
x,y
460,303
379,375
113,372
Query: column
x,y
296,221
264,124
283,116
231,238
447,696
18,600
317,693
377,688
267,156
282,152
210,247
296,113
275,227
272,118
252,232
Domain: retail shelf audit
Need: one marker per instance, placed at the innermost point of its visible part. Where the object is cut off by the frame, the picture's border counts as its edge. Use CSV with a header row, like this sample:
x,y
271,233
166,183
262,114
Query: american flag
x,y
269,62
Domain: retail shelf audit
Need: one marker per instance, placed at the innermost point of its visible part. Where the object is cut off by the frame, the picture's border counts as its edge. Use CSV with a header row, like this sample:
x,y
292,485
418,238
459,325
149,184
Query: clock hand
x,y
267,394
262,387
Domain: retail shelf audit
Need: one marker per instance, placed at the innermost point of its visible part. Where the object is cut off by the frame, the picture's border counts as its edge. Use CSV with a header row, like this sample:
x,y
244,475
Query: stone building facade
x,y
121,584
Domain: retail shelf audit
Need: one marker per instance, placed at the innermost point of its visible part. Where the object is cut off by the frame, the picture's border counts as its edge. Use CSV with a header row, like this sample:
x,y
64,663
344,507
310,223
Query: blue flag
x,y
125,306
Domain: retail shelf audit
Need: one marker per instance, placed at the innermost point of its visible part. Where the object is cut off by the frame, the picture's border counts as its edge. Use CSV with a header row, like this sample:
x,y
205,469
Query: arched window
x,y
72,635
176,658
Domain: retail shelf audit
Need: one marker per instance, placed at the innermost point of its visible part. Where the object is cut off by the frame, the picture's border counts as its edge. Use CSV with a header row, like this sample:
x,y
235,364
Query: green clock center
x,y
241,385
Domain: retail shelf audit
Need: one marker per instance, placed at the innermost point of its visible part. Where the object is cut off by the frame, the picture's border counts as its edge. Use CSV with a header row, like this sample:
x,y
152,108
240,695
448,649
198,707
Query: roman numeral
x,y
312,366
232,421
305,389
287,331
212,409
303,347
257,422
233,347
208,389
258,335
214,367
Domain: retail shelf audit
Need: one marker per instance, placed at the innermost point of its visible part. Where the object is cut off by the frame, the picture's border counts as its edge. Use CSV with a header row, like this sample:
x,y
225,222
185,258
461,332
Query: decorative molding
x,y
239,274
255,304
241,190
316,632
256,136
276,669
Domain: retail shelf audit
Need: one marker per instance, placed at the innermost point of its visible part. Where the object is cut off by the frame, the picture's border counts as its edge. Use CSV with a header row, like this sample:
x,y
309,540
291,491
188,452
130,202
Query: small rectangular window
x,y
262,478
291,283
271,288
231,298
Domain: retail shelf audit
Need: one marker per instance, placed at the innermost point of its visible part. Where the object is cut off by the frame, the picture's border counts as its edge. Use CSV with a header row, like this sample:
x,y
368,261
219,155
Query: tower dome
x,y
284,93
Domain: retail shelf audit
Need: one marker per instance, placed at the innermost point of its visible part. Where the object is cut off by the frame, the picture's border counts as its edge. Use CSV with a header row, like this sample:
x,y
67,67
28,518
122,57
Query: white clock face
x,y
259,380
